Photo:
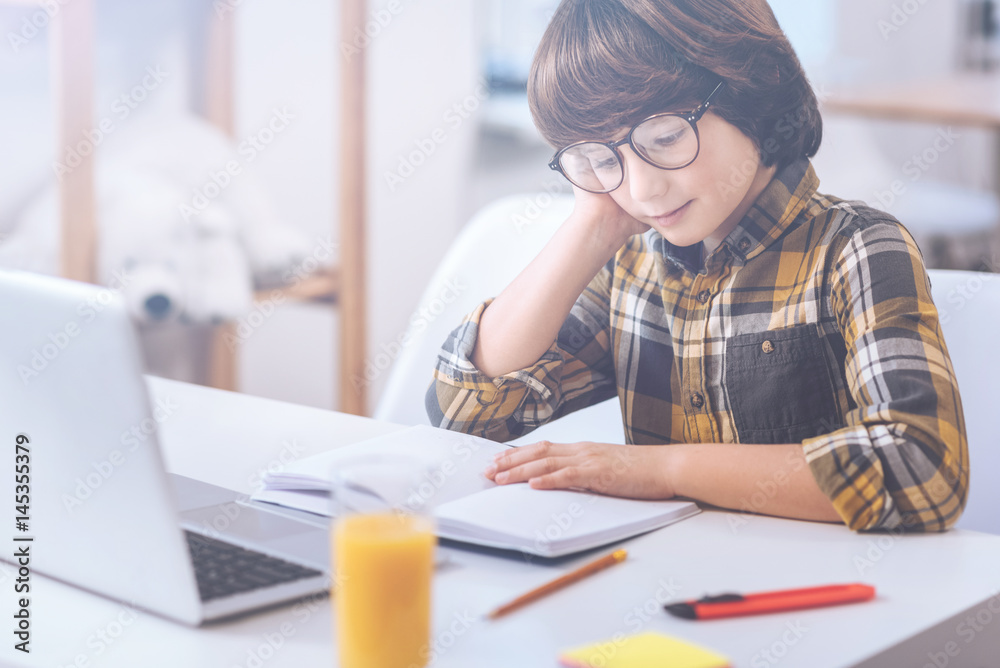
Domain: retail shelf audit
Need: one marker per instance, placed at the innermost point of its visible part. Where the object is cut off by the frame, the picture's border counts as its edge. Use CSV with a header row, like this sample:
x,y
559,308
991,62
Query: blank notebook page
x,y
557,515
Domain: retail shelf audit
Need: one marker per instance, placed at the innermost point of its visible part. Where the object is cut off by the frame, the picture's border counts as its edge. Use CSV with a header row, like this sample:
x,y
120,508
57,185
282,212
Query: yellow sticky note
x,y
645,650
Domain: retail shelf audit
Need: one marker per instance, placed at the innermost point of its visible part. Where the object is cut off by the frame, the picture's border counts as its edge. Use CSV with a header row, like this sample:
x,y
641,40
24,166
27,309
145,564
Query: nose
x,y
644,181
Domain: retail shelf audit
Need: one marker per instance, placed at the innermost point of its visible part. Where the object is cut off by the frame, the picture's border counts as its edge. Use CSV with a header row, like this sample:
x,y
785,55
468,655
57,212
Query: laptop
x,y
95,506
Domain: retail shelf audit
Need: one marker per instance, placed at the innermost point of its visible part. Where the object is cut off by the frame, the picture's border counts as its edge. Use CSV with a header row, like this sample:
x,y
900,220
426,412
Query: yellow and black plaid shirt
x,y
811,323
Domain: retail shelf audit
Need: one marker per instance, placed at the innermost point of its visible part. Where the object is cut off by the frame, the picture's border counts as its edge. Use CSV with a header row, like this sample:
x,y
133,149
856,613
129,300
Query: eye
x,y
668,140
609,163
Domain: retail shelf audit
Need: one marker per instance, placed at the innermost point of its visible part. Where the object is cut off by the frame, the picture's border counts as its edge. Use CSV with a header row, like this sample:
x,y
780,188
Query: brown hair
x,y
604,65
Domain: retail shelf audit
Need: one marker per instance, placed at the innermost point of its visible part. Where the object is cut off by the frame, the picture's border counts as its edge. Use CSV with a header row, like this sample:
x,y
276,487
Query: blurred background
x,y
229,219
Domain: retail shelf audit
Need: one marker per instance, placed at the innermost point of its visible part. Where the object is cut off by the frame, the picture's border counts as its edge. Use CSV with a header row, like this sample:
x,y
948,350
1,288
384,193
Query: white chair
x,y
492,249
969,307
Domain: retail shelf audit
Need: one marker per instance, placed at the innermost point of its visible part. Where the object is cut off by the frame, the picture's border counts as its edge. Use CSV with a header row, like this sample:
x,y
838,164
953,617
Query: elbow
x,y
934,506
468,411
948,494
434,413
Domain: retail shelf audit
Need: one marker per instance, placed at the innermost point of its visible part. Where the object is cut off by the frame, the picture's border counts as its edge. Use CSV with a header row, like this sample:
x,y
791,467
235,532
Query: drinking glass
x,y
383,559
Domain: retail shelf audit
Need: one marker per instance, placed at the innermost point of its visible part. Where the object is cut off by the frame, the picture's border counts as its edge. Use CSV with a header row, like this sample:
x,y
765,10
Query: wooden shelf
x,y
72,53
323,286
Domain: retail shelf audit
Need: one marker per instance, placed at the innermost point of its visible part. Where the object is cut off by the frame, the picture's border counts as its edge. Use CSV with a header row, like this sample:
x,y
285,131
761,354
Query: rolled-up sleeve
x,y
576,371
902,460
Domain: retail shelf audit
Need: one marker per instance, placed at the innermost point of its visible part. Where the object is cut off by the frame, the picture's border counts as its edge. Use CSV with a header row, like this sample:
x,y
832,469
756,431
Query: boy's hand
x,y
604,217
638,472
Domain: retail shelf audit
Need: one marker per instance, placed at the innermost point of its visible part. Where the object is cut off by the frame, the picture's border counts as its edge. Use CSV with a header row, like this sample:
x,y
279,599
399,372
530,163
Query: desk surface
x,y
923,581
965,99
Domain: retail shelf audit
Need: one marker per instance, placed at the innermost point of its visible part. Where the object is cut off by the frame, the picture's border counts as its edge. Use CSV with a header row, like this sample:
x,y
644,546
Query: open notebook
x,y
466,505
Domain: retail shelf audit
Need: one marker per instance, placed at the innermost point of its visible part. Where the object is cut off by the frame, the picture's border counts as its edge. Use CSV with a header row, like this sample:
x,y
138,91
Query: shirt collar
x,y
774,210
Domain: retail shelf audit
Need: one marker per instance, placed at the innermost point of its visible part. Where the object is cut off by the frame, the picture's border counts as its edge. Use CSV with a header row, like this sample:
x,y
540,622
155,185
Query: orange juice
x,y
383,566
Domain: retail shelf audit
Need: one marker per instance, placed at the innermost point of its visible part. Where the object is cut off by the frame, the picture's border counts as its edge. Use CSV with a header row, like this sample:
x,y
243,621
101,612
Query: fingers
x,y
523,463
565,477
524,454
533,469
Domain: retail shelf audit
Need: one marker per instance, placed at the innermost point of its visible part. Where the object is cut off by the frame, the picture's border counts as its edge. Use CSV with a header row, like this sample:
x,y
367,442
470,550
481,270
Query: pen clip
x,y
721,598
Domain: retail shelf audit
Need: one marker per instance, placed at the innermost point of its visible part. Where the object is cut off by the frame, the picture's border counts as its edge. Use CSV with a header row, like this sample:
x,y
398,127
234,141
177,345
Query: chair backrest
x,y
489,253
969,306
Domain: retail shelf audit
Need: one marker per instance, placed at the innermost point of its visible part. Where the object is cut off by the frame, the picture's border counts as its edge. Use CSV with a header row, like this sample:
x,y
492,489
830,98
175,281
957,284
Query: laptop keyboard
x,y
223,569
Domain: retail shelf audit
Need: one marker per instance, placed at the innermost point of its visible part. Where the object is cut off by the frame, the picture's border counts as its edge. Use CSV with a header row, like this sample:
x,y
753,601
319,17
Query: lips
x,y
673,216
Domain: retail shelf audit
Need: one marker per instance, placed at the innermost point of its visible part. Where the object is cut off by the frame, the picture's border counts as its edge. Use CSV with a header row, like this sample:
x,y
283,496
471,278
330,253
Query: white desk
x,y
926,584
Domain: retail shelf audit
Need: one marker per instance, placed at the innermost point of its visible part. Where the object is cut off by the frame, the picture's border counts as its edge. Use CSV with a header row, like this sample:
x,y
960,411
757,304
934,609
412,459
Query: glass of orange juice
x,y
383,559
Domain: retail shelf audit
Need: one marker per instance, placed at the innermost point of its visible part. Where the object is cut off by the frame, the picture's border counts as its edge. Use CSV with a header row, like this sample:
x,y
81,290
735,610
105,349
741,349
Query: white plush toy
x,y
184,230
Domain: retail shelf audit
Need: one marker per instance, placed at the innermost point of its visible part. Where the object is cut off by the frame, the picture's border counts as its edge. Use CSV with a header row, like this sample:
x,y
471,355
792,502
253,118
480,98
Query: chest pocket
x,y
779,386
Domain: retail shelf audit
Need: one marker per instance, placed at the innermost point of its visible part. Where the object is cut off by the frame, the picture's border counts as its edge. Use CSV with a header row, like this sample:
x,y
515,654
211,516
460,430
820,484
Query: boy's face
x,y
706,199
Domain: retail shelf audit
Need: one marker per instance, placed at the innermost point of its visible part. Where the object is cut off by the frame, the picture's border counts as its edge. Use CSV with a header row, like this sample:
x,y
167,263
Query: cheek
x,y
729,172
703,183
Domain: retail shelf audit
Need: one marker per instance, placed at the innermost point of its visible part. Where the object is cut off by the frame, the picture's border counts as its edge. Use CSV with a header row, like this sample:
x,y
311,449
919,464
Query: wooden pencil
x,y
560,582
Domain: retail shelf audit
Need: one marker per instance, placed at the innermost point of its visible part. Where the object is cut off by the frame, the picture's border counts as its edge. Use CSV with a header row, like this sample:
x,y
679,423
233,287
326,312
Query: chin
x,y
682,240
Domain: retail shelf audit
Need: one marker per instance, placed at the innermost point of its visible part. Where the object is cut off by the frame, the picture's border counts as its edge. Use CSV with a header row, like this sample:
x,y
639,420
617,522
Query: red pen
x,y
732,605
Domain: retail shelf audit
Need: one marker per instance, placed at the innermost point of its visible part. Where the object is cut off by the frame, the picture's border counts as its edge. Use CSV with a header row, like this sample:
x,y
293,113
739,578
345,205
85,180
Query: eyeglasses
x,y
666,141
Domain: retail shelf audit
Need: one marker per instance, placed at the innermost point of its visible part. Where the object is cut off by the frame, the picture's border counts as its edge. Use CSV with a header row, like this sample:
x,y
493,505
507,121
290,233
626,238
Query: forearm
x,y
767,479
523,321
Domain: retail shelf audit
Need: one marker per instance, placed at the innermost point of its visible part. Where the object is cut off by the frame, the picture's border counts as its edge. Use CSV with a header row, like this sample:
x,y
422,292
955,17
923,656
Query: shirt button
x,y
767,346
743,244
697,400
703,296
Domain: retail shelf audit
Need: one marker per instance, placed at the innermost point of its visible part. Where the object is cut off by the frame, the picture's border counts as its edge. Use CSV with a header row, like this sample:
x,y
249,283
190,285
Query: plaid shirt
x,y
811,323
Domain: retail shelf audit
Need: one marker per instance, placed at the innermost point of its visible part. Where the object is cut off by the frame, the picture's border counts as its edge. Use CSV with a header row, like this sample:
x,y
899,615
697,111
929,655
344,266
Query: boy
x,y
760,336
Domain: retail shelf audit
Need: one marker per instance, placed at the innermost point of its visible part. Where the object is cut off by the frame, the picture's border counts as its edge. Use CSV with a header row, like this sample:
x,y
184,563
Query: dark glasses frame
x,y
692,117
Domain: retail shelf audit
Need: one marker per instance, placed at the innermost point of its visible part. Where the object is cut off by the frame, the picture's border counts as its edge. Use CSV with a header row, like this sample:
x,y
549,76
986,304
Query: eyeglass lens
x,y
666,141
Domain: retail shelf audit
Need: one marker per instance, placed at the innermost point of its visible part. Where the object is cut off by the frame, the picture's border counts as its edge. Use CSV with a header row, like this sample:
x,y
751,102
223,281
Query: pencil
x,y
560,582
